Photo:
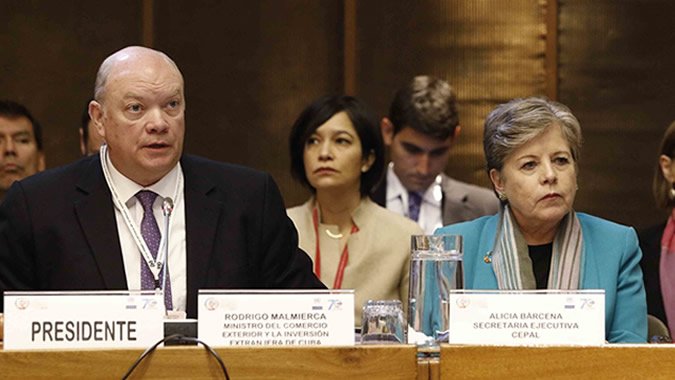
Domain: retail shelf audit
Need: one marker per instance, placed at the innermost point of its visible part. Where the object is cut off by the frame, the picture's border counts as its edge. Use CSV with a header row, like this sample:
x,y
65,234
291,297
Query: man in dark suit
x,y
94,224
421,127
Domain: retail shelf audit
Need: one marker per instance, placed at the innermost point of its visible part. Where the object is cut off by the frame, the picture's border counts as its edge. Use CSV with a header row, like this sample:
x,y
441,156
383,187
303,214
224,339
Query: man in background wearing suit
x,y
420,130
21,152
95,224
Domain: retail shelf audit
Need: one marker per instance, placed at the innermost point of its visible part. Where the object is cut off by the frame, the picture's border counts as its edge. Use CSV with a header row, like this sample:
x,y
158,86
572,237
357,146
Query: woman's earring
x,y
364,168
671,193
502,196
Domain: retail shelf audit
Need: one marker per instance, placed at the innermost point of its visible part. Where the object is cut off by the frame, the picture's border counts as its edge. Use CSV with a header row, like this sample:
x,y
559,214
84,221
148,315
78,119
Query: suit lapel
x,y
201,224
454,200
96,215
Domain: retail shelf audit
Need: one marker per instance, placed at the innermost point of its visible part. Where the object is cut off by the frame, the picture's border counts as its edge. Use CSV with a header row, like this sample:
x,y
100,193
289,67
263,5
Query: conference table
x,y
193,362
358,362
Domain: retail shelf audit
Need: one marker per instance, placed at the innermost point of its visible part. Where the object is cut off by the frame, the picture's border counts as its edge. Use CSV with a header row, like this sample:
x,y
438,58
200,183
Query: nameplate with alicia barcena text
x,y
527,317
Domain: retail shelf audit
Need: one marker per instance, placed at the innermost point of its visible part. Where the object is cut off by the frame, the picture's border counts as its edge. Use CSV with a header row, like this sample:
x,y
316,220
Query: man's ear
x,y
497,180
41,161
387,131
97,115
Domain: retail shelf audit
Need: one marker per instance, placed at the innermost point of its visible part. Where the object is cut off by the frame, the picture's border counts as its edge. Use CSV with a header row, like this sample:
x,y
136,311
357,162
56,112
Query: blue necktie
x,y
414,202
152,237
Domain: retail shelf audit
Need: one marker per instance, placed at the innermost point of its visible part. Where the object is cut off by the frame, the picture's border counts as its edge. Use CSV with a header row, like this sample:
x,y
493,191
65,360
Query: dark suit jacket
x,y
461,201
650,244
58,232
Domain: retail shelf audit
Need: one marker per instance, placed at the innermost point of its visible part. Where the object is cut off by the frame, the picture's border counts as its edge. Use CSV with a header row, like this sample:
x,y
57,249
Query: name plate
x,y
276,318
101,319
528,317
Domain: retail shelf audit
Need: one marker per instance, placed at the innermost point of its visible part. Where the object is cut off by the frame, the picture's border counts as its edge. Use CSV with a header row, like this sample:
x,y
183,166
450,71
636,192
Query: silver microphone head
x,y
167,206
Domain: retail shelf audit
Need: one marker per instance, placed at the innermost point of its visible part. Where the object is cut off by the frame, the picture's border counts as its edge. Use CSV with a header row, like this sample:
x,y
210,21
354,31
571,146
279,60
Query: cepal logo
x,y
211,304
463,302
21,303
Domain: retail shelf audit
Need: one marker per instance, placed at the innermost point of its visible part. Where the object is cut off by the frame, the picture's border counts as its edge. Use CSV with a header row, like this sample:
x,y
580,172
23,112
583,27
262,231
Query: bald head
x,y
124,59
139,112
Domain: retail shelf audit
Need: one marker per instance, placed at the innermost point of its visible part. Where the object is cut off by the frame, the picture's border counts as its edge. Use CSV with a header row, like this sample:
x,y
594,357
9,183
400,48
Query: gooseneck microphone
x,y
167,209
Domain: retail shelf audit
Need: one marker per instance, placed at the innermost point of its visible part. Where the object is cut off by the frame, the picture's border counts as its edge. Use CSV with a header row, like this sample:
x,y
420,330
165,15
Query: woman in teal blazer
x,y
537,241
611,262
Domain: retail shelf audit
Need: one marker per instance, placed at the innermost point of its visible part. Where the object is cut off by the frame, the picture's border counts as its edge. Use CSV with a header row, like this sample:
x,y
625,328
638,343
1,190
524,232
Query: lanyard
x,y
343,258
155,264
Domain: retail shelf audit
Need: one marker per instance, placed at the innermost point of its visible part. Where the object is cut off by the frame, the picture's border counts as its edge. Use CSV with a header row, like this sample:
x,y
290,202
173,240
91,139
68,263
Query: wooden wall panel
x,y
250,68
489,51
616,74
50,53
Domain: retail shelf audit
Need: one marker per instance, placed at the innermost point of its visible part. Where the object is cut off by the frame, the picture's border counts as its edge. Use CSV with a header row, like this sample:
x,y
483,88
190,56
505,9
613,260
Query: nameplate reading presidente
x,y
276,318
91,319
527,317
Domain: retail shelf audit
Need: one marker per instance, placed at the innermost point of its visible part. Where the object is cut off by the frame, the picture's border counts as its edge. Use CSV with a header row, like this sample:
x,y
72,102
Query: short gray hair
x,y
512,124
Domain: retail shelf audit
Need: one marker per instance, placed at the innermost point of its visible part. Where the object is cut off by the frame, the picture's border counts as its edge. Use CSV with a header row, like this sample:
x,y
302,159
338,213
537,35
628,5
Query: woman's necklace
x,y
332,235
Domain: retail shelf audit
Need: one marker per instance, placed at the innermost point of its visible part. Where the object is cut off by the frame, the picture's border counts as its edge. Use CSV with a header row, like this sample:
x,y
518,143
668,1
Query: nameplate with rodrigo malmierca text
x,y
276,318
89,319
527,317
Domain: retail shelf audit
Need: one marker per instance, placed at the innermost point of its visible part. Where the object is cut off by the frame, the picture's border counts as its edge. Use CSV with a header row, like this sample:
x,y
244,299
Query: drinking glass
x,y
435,269
383,322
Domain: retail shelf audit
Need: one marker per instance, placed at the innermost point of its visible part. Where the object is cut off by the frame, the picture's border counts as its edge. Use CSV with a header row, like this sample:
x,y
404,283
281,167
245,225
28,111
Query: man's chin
x,y
417,187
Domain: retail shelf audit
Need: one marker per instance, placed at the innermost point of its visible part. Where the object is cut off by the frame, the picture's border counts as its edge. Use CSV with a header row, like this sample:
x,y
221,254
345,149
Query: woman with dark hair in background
x,y
658,242
337,152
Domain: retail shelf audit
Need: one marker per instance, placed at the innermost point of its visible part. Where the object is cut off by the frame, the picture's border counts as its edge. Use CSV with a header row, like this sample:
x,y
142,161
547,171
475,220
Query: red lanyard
x,y
343,258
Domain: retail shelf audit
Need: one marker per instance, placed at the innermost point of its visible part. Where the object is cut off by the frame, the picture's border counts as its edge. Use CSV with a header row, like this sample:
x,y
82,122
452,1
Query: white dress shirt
x,y
431,212
165,187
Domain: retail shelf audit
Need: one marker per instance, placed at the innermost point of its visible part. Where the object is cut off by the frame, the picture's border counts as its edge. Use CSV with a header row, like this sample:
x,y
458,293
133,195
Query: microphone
x,y
167,209
167,206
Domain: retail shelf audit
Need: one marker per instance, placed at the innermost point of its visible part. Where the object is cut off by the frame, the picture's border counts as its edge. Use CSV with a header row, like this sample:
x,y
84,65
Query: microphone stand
x,y
167,209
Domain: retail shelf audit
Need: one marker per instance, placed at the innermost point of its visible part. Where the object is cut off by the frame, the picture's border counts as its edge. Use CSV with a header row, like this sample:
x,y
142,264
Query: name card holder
x,y
276,318
527,317
87,319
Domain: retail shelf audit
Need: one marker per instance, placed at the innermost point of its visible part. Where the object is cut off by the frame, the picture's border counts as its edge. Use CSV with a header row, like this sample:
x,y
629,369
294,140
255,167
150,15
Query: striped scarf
x,y
511,260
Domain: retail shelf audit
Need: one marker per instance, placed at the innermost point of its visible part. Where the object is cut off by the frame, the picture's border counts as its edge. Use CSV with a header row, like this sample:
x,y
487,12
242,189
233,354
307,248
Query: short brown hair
x,y
426,104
